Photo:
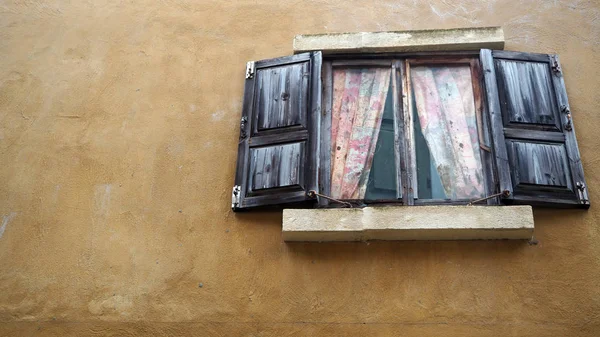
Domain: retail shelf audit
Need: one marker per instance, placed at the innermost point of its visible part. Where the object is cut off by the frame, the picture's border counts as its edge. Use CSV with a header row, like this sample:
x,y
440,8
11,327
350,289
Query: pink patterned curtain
x,y
446,111
358,103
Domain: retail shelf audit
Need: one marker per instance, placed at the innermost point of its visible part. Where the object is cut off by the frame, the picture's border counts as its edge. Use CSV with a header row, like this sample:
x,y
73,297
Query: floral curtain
x,y
358,103
446,111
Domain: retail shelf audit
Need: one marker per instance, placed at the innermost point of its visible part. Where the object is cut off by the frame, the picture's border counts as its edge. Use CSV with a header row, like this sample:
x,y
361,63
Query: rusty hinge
x,y
235,197
565,109
250,69
582,193
243,123
555,66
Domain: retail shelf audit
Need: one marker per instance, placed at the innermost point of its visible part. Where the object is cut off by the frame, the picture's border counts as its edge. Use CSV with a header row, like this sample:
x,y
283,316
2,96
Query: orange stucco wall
x,y
118,137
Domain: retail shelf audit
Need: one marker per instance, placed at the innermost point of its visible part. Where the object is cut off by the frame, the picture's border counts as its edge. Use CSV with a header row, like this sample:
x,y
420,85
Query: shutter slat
x,y
325,132
495,113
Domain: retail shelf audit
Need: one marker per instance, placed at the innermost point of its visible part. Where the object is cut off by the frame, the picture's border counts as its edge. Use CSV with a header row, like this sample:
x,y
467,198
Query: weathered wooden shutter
x,y
278,147
536,151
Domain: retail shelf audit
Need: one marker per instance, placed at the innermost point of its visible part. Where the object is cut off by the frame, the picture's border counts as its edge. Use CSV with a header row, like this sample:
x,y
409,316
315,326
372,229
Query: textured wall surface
x,y
118,135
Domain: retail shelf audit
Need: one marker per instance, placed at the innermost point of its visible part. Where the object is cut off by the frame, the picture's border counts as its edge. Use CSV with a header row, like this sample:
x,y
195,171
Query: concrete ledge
x,y
409,223
403,41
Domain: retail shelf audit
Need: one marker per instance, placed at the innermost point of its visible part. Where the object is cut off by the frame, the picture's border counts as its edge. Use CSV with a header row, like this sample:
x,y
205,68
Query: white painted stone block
x,y
409,223
403,41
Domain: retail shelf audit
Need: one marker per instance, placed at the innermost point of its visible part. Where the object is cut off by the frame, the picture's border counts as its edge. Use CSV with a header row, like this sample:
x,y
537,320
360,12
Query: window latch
x,y
314,194
504,194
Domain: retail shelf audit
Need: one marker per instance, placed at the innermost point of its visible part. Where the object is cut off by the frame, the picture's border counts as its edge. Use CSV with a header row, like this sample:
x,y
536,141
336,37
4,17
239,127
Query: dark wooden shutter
x,y
536,151
278,146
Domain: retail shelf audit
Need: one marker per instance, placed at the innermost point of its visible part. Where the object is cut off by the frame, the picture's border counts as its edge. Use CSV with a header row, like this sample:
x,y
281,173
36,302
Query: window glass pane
x,y
362,135
448,161
382,180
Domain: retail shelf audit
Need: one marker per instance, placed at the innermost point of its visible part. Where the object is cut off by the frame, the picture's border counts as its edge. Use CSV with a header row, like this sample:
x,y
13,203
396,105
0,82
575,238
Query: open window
x,y
489,128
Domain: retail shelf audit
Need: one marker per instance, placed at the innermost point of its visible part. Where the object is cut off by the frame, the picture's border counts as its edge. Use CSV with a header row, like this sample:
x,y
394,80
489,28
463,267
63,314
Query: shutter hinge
x,y
582,193
250,69
235,197
565,109
243,123
555,66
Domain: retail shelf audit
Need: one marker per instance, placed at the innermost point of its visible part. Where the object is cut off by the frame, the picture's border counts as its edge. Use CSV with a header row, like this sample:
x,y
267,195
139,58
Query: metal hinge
x,y
555,66
250,69
565,109
243,123
582,193
235,196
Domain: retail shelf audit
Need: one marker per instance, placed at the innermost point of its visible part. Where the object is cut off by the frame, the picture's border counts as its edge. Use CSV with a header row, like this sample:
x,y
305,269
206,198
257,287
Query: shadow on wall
x,y
418,252
559,216
415,251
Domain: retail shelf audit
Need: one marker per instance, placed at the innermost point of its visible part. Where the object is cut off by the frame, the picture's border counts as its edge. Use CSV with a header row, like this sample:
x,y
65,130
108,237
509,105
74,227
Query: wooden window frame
x,y
405,150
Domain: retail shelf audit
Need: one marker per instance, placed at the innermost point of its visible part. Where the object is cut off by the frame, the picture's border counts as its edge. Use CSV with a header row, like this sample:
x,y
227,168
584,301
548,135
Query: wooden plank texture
x,y
545,168
314,123
399,144
276,166
526,94
281,197
362,63
544,165
410,156
573,155
280,61
290,136
535,135
281,96
515,55
325,135
496,124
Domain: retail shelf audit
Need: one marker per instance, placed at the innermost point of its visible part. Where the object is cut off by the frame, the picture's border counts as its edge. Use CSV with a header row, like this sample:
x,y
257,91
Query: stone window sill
x,y
409,223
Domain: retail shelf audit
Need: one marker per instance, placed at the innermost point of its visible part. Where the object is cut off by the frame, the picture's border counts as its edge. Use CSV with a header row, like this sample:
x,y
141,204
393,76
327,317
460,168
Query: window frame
x,y
506,169
405,150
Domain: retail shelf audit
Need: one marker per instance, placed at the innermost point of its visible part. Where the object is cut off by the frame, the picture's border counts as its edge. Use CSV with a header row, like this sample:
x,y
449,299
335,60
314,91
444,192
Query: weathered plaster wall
x,y
118,136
